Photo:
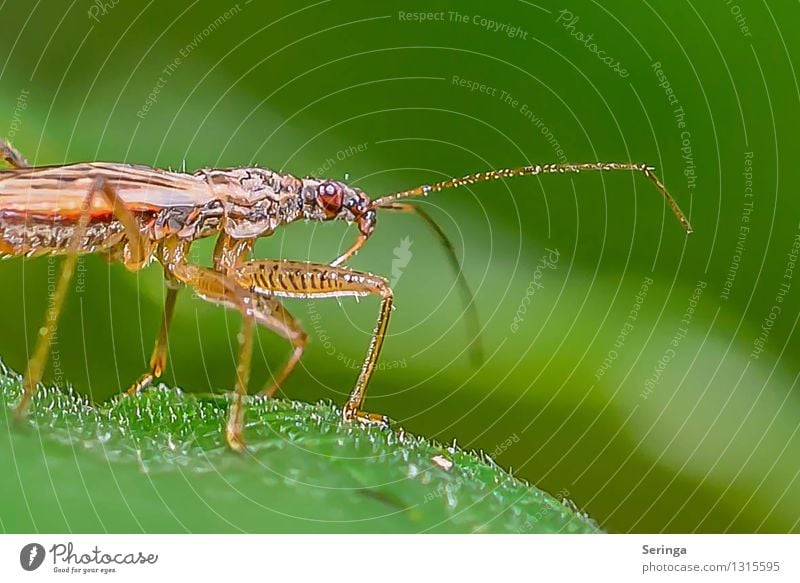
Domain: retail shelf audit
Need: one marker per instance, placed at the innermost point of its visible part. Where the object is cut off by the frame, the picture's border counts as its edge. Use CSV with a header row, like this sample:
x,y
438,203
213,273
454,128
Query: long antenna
x,y
467,297
426,189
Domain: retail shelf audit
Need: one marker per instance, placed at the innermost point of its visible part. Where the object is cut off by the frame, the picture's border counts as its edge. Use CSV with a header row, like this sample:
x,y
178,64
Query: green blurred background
x,y
707,441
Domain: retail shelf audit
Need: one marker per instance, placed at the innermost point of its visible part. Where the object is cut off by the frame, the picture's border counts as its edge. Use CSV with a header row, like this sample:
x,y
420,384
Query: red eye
x,y
329,197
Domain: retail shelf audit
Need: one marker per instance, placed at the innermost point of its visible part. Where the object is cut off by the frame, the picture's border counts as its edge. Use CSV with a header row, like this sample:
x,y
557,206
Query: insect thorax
x,y
256,200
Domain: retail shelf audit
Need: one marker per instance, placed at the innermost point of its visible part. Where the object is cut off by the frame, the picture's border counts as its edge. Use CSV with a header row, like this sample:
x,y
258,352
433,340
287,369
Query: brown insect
x,y
137,215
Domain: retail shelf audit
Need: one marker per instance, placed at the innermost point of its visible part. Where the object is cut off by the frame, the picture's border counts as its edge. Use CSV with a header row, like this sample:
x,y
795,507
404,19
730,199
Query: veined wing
x,y
59,191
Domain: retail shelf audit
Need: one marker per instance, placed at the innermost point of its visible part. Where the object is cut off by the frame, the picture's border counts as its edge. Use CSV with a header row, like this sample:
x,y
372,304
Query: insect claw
x,y
234,437
350,413
236,443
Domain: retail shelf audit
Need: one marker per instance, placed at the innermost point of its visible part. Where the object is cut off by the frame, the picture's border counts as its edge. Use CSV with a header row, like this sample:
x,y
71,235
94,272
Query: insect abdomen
x,y
34,237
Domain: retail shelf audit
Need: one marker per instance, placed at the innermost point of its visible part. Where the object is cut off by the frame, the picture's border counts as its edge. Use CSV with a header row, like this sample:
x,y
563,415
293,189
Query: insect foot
x,y
234,428
351,412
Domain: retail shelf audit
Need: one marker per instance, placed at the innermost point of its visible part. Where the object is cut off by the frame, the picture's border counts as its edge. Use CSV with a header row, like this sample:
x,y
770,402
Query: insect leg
x,y
139,250
294,279
158,360
350,253
230,253
220,289
12,156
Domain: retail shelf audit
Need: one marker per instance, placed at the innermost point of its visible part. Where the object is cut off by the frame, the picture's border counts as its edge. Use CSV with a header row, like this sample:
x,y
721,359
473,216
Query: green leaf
x,y
157,463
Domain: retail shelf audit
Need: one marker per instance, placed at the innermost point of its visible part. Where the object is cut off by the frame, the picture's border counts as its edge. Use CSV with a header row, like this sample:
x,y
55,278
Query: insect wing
x,y
59,191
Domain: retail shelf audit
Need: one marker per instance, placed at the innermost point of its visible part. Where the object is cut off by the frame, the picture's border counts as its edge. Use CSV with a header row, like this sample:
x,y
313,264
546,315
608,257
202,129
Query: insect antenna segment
x,y
392,202
536,170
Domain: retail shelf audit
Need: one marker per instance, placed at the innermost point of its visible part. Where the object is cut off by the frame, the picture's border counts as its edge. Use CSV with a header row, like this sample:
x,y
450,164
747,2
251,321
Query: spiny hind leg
x,y
220,289
136,258
309,280
12,156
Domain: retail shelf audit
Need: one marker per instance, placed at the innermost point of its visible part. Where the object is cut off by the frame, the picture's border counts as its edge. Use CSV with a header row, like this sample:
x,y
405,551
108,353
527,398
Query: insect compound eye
x,y
329,197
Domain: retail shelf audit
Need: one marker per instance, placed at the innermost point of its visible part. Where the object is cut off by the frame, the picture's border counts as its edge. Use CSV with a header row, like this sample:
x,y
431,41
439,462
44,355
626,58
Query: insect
x,y
138,215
